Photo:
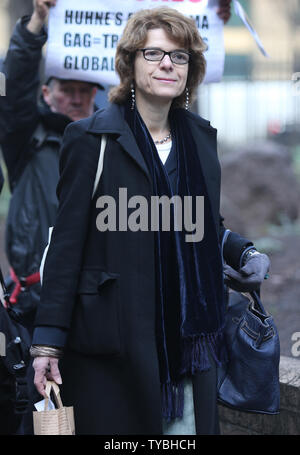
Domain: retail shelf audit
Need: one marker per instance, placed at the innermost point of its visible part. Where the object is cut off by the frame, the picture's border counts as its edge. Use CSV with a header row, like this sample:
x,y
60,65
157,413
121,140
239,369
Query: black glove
x,y
250,276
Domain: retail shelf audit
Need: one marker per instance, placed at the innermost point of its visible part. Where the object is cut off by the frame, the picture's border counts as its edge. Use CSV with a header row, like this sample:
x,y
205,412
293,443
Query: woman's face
x,y
159,81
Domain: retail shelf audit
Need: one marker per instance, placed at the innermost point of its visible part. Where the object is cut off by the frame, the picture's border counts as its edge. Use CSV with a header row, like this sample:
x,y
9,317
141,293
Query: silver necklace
x,y
165,139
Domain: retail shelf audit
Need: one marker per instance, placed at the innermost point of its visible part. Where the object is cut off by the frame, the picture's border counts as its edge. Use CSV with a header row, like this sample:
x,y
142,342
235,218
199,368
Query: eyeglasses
x,y
156,55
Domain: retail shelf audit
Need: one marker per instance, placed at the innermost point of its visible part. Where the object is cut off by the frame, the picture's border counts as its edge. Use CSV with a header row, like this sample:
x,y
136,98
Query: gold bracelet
x,y
45,351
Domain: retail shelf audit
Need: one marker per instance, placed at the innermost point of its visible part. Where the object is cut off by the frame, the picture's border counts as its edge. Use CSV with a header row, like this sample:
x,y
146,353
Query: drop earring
x,y
187,99
132,96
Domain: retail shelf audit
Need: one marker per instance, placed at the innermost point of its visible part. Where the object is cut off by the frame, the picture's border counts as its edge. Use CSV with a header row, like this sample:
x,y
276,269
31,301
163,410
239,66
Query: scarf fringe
x,y
195,358
195,352
172,400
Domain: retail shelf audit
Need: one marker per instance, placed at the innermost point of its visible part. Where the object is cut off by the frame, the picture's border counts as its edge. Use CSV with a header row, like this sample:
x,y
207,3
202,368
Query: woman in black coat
x,y
133,295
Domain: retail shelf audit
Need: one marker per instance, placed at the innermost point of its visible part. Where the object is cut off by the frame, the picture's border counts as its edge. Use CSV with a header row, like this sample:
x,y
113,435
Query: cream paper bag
x,y
58,421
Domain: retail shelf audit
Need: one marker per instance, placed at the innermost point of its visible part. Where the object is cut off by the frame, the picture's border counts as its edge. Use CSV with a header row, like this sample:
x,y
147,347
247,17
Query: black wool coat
x,y
100,286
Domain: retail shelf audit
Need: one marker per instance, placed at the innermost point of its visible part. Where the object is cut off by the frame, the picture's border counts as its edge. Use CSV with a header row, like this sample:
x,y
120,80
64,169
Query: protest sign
x,y
83,36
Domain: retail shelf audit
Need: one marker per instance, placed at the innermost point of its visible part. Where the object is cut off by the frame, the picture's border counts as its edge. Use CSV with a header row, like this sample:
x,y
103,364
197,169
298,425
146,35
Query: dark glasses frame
x,y
164,53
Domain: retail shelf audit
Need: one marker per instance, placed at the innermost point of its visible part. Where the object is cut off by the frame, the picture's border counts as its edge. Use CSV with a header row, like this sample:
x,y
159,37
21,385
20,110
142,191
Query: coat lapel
x,y
111,121
205,139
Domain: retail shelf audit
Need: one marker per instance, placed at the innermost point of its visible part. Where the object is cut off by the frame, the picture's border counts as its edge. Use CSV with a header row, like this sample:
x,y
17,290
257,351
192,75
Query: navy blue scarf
x,y
190,300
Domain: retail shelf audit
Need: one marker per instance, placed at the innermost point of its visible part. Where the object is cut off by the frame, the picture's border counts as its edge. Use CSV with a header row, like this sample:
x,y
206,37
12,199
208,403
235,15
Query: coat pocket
x,y
95,328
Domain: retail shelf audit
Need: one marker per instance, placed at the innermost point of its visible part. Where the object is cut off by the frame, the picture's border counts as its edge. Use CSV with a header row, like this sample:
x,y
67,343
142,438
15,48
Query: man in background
x,y
31,131
30,135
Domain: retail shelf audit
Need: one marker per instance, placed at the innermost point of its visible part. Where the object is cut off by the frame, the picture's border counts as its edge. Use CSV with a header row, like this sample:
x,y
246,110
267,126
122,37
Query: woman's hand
x,y
46,368
251,276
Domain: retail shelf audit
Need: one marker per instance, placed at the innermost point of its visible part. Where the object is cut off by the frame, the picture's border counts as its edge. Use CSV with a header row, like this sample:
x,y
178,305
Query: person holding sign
x,y
31,135
224,10
135,313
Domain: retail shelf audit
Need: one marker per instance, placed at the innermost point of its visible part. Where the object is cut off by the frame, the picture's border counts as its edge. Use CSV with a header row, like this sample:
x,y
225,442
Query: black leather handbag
x,y
250,379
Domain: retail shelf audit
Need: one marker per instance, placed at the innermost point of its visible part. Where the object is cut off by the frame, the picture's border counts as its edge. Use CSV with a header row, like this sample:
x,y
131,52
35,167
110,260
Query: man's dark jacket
x,y
30,136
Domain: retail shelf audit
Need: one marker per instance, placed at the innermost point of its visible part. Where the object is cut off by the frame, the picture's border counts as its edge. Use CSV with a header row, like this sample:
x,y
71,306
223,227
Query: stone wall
x,y
287,422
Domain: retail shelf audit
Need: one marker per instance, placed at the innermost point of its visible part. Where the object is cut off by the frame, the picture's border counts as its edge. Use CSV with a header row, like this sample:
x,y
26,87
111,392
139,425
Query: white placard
x,y
83,36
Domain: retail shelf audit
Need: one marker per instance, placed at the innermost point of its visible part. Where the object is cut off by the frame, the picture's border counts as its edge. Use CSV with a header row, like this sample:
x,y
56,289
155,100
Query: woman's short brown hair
x,y
179,28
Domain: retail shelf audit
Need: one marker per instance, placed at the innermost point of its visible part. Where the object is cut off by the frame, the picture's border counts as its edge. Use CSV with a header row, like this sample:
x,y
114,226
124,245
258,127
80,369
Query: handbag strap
x,y
5,292
96,183
225,236
100,163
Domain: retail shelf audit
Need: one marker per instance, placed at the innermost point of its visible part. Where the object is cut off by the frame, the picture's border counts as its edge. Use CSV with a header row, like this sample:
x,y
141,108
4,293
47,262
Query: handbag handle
x,y
225,236
51,385
255,296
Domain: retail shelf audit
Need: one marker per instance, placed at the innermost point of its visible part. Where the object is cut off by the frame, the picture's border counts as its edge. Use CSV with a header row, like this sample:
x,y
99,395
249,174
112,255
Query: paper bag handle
x,y
51,385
